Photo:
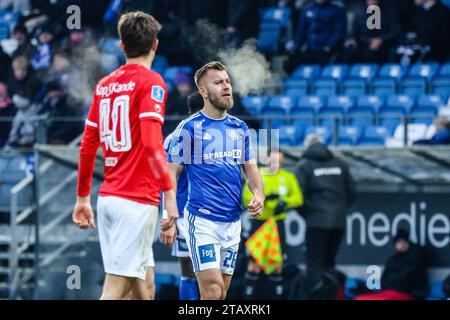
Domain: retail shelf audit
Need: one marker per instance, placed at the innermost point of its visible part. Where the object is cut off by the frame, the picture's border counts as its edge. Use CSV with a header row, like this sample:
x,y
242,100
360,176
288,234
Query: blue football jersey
x,y
182,183
212,152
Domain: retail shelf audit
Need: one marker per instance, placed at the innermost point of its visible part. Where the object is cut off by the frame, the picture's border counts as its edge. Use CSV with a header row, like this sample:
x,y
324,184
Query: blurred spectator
x,y
23,130
211,11
403,10
42,58
243,20
60,71
442,135
176,101
404,276
5,65
22,6
46,12
282,193
329,190
24,47
177,97
7,110
429,26
372,46
172,16
23,78
320,33
62,113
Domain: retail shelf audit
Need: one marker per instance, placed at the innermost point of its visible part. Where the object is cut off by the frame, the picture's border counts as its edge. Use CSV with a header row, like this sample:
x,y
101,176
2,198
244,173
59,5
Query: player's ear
x,y
122,46
203,92
155,44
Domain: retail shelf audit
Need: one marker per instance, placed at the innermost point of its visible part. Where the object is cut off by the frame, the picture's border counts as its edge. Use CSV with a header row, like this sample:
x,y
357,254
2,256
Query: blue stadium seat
x,y
290,135
398,104
324,132
441,86
363,71
268,41
339,103
278,107
413,86
444,72
306,71
436,291
335,71
254,104
392,71
324,87
284,102
282,16
349,135
375,136
426,109
390,121
423,70
304,122
295,87
308,104
370,104
384,87
428,104
354,87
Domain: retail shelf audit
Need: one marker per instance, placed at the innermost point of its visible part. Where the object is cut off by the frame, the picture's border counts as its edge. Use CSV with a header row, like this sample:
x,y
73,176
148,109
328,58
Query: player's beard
x,y
221,103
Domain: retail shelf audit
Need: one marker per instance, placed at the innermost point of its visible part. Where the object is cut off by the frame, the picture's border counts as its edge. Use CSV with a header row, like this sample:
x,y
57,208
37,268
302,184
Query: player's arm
x,y
255,183
152,140
83,216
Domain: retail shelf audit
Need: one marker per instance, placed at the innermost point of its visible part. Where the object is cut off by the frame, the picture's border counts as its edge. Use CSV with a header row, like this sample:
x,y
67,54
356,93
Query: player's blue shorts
x,y
212,244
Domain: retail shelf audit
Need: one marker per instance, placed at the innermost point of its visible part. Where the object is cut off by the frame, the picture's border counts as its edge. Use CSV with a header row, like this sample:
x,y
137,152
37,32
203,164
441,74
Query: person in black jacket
x,y
374,45
329,190
404,276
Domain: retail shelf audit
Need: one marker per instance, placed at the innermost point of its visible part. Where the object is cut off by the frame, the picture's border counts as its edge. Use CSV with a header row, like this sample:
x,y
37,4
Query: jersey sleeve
x,y
152,100
88,149
249,152
180,145
92,119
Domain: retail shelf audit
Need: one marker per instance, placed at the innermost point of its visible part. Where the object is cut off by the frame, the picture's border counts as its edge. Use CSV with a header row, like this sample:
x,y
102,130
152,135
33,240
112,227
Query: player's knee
x,y
213,291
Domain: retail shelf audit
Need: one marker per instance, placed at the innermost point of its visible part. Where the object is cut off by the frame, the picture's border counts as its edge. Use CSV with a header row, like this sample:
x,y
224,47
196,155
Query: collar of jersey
x,y
213,118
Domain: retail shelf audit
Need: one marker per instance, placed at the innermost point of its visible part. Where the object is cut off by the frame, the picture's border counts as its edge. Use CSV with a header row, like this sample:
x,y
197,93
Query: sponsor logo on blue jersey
x,y
207,253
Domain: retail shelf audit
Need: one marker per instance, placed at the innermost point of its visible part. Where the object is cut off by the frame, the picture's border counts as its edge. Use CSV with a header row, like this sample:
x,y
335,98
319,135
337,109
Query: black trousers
x,y
322,246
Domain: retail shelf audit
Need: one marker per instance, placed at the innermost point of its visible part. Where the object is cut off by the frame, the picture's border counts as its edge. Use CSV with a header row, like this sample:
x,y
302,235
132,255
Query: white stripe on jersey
x,y
90,123
152,115
182,123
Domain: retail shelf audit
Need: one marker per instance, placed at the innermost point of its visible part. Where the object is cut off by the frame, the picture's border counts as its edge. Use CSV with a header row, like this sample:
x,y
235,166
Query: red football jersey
x,y
121,100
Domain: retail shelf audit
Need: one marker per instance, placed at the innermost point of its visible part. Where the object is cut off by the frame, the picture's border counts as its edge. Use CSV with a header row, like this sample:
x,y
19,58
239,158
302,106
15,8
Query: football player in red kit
x,y
125,119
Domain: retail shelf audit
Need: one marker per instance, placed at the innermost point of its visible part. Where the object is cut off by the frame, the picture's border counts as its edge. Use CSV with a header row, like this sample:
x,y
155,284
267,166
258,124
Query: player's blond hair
x,y
215,65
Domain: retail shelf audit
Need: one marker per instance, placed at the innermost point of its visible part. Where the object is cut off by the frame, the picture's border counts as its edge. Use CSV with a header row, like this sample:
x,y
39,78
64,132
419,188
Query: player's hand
x,y
83,216
168,236
170,205
256,206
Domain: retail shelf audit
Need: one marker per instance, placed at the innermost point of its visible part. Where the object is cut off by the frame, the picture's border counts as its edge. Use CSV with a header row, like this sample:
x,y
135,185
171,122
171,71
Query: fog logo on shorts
x,y
207,253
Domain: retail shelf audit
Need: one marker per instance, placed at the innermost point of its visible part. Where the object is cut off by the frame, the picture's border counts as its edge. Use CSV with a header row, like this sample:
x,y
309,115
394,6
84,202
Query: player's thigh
x,y
210,280
117,287
144,289
127,236
203,243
